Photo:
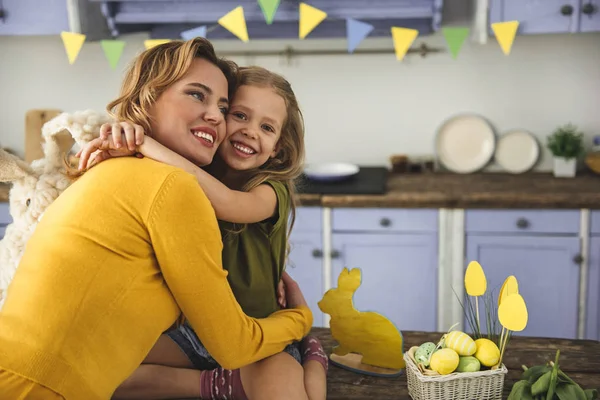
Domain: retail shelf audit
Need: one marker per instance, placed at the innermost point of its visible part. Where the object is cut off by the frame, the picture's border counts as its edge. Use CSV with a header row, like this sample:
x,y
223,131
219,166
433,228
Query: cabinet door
x,y
590,16
34,17
592,330
399,275
538,16
305,265
548,277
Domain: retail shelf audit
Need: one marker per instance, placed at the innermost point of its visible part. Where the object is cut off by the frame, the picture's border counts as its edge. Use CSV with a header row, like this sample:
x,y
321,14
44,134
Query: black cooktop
x,y
369,180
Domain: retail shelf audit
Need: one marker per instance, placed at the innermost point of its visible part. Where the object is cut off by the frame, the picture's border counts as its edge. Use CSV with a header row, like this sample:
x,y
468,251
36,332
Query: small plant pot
x,y
565,168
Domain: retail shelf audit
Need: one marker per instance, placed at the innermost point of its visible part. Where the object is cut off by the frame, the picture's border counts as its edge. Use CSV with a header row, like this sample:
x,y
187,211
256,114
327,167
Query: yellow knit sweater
x,y
113,263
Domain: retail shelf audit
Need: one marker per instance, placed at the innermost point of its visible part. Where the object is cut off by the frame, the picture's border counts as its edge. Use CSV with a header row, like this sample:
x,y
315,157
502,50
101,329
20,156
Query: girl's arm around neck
x,y
234,206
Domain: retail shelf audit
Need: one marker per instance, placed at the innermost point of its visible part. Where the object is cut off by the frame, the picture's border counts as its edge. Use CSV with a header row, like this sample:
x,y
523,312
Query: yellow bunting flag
x,y
403,39
505,34
235,22
310,17
73,43
150,43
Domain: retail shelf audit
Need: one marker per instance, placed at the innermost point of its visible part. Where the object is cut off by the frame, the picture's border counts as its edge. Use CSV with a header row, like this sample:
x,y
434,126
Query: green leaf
x,y
570,392
591,394
534,373
542,384
521,390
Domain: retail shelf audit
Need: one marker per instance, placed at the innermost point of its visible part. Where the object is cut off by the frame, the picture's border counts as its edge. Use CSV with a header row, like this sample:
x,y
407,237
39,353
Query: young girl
x,y
251,187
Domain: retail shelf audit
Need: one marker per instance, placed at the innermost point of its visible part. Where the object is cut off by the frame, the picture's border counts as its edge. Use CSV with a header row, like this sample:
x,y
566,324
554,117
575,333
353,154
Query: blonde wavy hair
x,y
157,68
288,163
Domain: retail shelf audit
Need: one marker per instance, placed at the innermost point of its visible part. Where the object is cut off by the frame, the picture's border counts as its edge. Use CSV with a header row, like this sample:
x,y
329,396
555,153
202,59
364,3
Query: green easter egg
x,y
423,353
468,364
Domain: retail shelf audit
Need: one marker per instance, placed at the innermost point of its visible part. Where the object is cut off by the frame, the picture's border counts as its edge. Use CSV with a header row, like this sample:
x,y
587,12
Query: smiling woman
x,y
131,246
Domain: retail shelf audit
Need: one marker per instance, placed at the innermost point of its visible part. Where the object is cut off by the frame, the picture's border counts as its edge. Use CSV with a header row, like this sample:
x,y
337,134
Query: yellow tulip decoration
x,y
475,285
510,286
513,316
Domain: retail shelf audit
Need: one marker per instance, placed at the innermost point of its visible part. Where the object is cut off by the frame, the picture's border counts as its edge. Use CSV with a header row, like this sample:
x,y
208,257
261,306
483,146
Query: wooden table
x,y
580,359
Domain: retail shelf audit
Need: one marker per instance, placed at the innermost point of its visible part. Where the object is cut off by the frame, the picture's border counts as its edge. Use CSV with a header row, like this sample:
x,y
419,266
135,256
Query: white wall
x,y
358,108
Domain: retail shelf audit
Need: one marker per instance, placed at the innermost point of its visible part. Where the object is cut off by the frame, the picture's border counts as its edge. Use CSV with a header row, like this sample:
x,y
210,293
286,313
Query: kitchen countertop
x,y
483,190
445,190
579,359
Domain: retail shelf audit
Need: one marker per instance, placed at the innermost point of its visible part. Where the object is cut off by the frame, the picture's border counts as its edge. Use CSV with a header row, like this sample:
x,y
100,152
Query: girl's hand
x,y
132,133
281,294
110,143
99,150
293,294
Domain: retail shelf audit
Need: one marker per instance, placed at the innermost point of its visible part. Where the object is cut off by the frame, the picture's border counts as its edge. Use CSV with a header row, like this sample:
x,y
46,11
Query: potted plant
x,y
566,145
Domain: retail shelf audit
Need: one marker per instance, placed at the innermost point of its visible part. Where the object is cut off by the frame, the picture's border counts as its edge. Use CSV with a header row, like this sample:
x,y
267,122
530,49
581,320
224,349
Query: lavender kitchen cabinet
x,y
592,330
540,16
305,263
396,250
5,218
542,250
33,17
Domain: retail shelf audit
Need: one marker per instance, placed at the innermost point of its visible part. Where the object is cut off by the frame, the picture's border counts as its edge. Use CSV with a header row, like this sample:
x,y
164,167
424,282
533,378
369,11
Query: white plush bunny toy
x,y
36,186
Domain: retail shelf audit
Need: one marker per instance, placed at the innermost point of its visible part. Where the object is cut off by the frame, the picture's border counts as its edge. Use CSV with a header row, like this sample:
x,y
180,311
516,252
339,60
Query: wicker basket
x,y
481,385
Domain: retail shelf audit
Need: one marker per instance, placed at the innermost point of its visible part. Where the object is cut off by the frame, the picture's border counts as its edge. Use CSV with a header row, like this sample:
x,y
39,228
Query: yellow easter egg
x,y
444,361
512,313
475,282
487,352
461,343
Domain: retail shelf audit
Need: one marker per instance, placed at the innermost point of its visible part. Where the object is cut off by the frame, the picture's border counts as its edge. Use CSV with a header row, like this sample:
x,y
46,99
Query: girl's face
x,y
189,116
254,126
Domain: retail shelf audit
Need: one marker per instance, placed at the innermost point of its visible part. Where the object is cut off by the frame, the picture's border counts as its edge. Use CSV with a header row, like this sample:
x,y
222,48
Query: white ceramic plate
x,y
330,171
517,151
465,143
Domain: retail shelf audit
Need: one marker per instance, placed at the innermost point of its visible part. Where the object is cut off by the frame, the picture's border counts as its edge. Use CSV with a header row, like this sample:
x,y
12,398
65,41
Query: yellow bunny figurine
x,y
367,333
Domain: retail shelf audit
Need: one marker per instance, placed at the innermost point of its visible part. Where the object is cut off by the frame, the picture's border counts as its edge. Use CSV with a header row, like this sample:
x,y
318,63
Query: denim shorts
x,y
185,337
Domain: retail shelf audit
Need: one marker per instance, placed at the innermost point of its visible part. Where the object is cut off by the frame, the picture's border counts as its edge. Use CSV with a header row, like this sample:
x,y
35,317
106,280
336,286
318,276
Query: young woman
x,y
130,246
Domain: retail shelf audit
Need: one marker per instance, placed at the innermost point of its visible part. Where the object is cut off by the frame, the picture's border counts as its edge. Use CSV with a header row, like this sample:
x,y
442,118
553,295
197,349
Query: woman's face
x,y
189,116
254,126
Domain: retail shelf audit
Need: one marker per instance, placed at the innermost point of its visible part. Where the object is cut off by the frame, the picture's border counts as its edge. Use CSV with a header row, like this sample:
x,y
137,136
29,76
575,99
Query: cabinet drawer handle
x,y
316,253
522,223
566,10
385,222
578,259
588,9
335,254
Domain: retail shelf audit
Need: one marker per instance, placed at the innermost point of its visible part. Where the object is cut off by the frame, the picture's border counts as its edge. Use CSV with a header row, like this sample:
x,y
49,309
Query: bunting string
x,y
309,18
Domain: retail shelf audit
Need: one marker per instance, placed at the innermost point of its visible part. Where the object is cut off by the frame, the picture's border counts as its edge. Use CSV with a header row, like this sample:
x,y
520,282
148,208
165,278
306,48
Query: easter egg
x,y
423,353
461,343
487,352
468,364
444,361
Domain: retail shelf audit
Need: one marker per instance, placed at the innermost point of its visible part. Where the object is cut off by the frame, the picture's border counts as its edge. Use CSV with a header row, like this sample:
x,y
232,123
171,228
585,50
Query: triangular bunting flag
x,y
113,49
269,7
505,34
235,22
194,33
356,31
403,39
455,37
310,17
150,43
73,43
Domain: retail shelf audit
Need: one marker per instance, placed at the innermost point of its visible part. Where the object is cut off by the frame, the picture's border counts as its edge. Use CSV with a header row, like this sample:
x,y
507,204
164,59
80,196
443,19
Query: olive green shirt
x,y
255,257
